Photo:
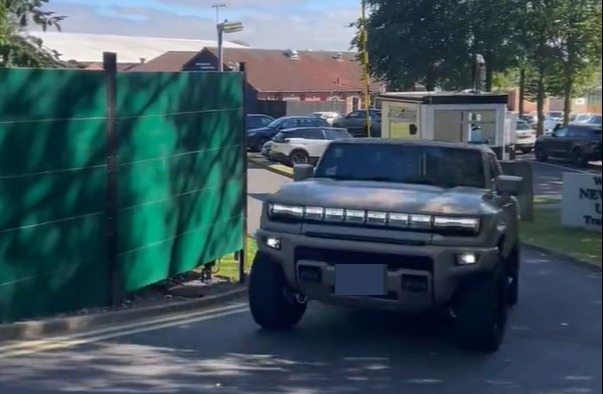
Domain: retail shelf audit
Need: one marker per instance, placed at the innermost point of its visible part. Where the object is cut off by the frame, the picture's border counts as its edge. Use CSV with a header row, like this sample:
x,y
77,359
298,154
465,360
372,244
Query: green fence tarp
x,y
180,182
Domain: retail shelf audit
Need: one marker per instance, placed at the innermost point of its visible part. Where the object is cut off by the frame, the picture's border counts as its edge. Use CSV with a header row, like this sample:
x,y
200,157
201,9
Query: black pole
x,y
110,69
243,253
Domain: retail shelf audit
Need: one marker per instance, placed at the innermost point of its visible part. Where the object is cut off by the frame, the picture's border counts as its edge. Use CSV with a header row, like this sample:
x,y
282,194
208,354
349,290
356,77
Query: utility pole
x,y
365,62
217,7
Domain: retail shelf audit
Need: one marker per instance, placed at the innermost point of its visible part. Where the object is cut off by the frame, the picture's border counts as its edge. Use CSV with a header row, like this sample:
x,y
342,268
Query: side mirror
x,y
301,172
413,129
507,185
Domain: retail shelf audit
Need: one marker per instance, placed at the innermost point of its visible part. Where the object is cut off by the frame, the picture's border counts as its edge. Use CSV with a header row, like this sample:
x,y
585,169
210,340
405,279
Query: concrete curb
x,y
29,330
562,256
552,253
270,166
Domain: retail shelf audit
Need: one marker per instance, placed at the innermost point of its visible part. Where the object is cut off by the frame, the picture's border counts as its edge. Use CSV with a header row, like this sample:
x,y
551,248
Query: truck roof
x,y
426,143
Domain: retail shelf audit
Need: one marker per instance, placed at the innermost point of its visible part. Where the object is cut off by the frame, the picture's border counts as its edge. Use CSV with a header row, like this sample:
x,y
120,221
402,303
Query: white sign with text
x,y
581,206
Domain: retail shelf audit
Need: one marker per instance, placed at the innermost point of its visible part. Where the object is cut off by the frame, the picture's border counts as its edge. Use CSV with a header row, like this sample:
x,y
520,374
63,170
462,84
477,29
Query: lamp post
x,y
228,28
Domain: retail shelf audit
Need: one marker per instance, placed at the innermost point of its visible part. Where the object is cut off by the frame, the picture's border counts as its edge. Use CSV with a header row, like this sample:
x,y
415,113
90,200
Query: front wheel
x,y
271,305
481,313
540,155
580,160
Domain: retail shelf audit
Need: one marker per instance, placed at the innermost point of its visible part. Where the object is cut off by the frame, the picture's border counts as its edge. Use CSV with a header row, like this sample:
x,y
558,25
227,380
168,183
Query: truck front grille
x,y
394,262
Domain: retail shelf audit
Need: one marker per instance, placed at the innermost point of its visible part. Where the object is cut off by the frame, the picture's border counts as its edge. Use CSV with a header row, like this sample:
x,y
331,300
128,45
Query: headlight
x,y
457,223
376,218
287,211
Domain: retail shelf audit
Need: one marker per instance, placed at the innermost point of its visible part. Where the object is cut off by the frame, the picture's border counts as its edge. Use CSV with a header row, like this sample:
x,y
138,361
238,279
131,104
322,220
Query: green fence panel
x,y
181,172
52,192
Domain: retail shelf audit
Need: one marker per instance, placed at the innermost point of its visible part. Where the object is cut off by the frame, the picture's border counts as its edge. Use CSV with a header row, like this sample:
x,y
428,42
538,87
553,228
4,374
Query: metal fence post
x,y
243,253
111,139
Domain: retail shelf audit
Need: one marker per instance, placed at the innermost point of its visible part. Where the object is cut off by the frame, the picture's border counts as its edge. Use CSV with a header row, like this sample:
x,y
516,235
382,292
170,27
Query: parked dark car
x,y
579,142
355,123
256,121
256,138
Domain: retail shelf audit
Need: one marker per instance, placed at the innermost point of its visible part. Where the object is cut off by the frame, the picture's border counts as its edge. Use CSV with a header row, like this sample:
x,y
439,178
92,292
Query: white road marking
x,y
124,329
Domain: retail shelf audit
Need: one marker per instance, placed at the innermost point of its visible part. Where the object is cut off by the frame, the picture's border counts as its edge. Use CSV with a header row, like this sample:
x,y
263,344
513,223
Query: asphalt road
x,y
553,347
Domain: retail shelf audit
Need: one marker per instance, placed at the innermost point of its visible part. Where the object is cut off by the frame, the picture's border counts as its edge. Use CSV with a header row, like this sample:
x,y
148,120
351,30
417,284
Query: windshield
x,y
425,165
595,119
523,126
556,114
276,123
582,118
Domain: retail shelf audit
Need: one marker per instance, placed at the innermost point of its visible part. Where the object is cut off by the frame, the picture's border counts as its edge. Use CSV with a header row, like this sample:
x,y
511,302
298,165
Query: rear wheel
x,y
271,304
481,312
579,158
540,155
299,157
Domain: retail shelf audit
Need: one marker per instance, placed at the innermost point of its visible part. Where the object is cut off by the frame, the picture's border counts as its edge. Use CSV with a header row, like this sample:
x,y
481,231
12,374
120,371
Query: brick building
x,y
277,75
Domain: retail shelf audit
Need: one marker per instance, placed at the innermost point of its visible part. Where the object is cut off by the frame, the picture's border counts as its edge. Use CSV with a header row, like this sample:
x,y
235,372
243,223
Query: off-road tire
x,y
270,306
481,312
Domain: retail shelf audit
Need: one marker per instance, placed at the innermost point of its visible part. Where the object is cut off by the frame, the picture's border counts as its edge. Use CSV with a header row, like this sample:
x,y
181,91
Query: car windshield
x,y
426,165
523,126
276,123
556,114
595,120
582,118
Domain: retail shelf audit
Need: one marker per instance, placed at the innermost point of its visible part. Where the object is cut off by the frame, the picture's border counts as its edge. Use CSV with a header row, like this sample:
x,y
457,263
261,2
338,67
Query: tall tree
x,y
578,46
411,41
538,53
16,48
491,31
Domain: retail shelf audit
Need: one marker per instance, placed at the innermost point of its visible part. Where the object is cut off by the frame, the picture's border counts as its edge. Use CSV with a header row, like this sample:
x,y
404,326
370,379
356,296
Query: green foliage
x,y
556,42
413,42
18,49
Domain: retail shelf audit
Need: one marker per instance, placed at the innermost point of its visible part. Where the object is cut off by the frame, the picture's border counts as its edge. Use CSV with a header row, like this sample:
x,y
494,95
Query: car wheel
x,y
580,160
270,303
481,312
299,157
512,266
540,155
526,151
261,143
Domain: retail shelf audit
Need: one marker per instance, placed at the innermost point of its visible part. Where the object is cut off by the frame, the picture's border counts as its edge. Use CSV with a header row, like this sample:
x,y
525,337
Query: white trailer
x,y
452,117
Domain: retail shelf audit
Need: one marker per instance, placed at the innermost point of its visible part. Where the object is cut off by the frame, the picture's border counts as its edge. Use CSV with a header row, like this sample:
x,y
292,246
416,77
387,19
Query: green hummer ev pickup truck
x,y
411,226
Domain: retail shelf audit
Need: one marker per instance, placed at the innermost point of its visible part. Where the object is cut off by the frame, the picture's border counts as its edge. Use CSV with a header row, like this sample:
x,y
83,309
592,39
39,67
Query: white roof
x,y
129,49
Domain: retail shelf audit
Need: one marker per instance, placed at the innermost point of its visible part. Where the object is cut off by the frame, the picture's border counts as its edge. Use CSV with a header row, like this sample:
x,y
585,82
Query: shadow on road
x,y
553,347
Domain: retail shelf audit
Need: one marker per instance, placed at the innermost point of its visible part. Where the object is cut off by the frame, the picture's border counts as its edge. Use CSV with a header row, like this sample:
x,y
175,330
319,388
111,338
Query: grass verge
x,y
547,232
228,267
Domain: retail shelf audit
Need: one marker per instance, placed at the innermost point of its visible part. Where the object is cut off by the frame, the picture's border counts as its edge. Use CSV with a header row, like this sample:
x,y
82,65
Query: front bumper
x,y
419,278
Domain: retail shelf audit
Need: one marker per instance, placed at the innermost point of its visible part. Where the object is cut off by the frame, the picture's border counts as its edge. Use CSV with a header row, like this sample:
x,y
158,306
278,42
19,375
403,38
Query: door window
x,y
313,134
562,133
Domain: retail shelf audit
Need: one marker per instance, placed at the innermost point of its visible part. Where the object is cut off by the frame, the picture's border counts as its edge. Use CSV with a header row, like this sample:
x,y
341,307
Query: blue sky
x,y
300,24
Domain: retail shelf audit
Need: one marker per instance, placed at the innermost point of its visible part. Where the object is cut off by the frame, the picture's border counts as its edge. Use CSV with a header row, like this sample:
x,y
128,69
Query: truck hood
x,y
380,196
